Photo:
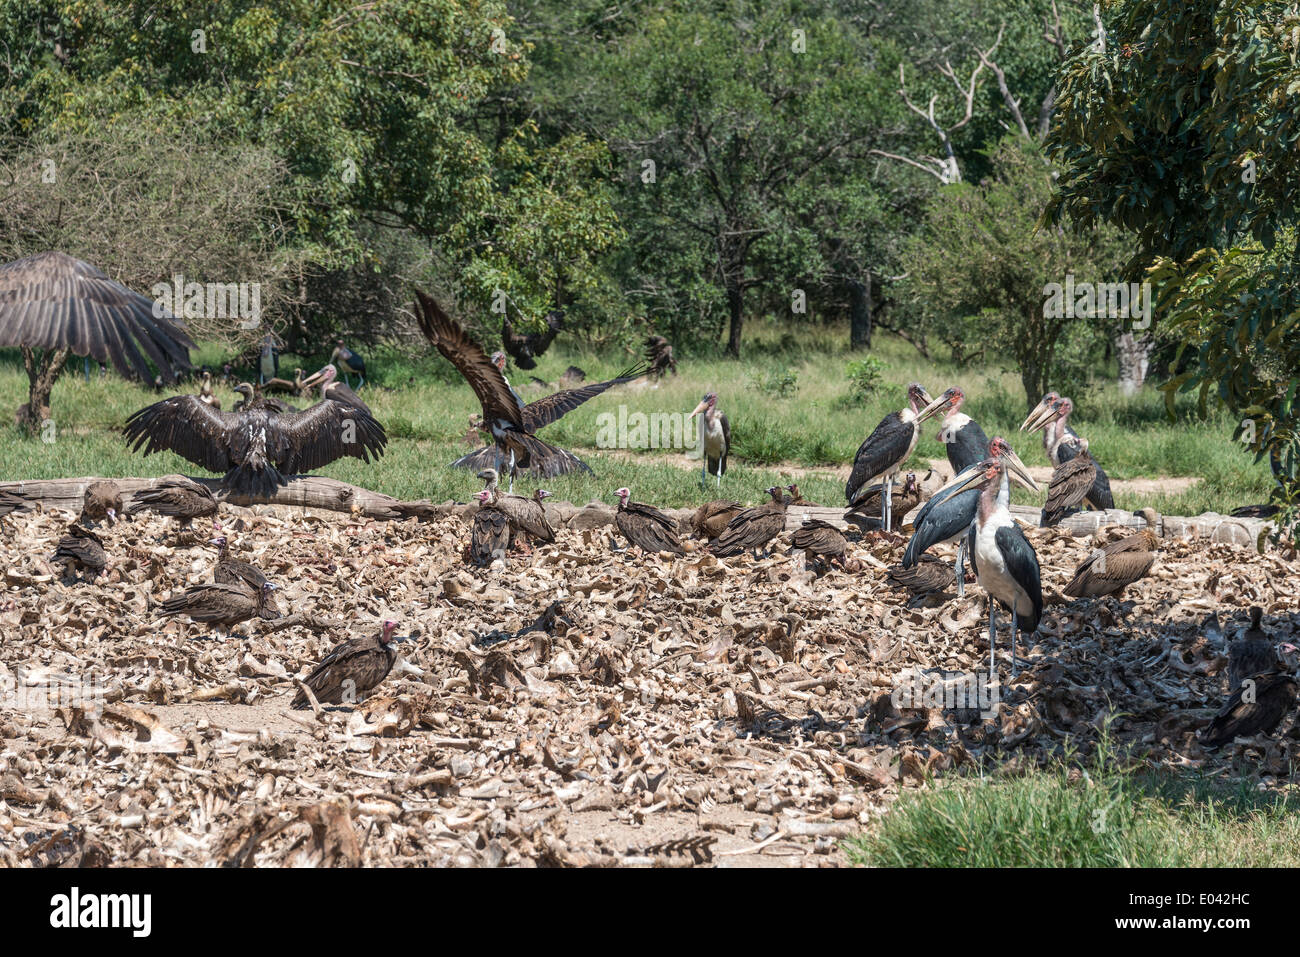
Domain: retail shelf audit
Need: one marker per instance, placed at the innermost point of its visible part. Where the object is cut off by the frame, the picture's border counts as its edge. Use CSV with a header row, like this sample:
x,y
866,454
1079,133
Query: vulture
x,y
81,550
13,502
823,542
183,500
218,604
257,446
525,349
511,423
53,301
753,528
1253,652
1254,708
1113,567
527,515
206,395
352,668
490,533
645,526
715,438
103,502
659,354
252,396
232,571
331,388
712,517
928,575
349,361
867,511
1069,485
1062,443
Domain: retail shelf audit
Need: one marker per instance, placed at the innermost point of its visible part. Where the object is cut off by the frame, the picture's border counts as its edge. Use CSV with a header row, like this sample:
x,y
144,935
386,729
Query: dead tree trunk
x,y
860,310
736,307
1134,355
40,383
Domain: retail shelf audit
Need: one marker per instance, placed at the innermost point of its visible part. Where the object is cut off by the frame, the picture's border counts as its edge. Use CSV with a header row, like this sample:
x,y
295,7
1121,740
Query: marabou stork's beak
x,y
698,409
1017,472
1034,413
935,406
977,478
313,379
1041,417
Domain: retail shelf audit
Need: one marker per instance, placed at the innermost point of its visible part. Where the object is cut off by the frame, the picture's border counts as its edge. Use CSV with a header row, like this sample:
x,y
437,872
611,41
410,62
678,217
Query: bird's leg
x,y
993,637
87,368
961,568
512,471
1015,625
361,380
885,503
704,473
719,473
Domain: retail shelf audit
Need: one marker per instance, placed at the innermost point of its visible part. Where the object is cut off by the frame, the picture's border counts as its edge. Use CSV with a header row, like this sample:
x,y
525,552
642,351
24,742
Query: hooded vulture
x,y
352,668
489,537
511,423
13,502
527,515
232,571
103,501
1113,567
81,550
1256,707
1070,484
219,604
525,348
1252,653
180,499
823,542
257,446
645,526
753,528
712,517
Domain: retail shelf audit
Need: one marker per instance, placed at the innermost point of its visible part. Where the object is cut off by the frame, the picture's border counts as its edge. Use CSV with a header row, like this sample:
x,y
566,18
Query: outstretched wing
x,y
449,338
186,425
51,300
549,408
304,441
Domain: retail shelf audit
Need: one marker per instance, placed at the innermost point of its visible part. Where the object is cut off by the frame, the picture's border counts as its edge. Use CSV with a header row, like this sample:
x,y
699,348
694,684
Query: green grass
x,y
1108,816
815,424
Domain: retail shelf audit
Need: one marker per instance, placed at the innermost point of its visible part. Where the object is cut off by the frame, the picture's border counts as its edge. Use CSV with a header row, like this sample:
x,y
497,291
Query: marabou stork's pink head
x,y
707,404
917,397
1001,450
322,377
622,495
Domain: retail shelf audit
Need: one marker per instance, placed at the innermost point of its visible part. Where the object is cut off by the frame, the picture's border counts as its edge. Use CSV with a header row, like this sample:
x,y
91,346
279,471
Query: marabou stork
x,y
352,668
268,361
961,435
1005,563
883,452
949,513
511,423
349,361
715,438
1062,443
331,388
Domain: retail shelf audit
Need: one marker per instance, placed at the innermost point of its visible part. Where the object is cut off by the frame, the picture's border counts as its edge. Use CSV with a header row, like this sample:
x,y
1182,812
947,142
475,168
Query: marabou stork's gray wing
x,y
191,428
881,450
53,301
943,517
304,441
449,337
726,439
1022,565
547,409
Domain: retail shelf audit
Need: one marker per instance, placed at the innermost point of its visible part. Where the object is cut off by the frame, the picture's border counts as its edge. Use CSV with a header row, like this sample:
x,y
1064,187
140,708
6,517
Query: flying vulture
x,y
257,446
525,348
511,423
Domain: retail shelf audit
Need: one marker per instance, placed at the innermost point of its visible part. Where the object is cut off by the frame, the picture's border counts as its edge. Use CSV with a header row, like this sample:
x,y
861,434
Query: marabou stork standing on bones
x,y
883,452
715,438
948,515
1005,563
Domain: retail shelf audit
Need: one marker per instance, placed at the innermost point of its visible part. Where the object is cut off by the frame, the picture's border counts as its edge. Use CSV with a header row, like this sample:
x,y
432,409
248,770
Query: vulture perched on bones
x,y
102,502
712,517
219,604
753,528
1271,697
353,668
527,515
13,502
511,423
645,526
232,571
257,446
823,542
81,550
180,499
490,533
1113,567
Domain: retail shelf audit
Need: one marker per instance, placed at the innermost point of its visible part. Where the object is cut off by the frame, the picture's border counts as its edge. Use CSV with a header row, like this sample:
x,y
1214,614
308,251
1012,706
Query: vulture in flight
x,y
257,446
512,424
525,348
53,301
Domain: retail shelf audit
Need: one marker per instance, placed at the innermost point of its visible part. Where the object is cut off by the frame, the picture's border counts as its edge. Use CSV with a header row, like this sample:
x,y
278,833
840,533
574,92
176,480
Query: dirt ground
x,y
686,712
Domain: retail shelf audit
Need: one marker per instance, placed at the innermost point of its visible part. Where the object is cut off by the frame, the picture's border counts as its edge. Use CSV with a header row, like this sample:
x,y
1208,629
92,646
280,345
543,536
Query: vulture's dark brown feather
x,y
349,671
1254,708
217,604
712,517
54,301
101,497
180,499
82,550
489,536
647,527
753,528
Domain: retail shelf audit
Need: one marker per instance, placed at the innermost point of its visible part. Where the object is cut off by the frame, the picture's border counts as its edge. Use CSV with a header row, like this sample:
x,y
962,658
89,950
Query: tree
x,y
1177,129
995,292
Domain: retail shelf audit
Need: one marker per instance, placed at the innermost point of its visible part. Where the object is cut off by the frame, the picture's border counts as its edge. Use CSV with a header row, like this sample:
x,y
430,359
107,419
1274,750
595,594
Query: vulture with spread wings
x,y
512,424
257,446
